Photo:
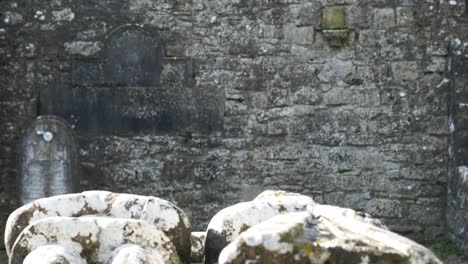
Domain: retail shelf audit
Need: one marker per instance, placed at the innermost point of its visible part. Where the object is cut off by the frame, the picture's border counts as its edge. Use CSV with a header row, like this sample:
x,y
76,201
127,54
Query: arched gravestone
x,y
133,57
131,87
49,160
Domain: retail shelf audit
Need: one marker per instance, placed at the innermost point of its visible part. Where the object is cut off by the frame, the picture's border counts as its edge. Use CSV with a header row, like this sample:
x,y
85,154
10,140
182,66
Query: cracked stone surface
x,y
363,126
94,239
228,223
312,237
154,211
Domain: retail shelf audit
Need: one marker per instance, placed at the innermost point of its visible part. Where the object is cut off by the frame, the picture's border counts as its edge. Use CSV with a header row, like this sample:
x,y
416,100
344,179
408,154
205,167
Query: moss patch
x,y
334,17
446,249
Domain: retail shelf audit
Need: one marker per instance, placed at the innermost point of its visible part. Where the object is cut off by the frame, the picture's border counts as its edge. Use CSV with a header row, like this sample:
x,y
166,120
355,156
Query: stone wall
x,y
458,170
270,99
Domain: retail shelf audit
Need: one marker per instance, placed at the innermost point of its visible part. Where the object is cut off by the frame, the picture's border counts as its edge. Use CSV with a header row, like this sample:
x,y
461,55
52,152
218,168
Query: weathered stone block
x,y
384,18
163,215
227,224
53,254
92,238
323,236
129,253
338,96
333,17
405,70
298,35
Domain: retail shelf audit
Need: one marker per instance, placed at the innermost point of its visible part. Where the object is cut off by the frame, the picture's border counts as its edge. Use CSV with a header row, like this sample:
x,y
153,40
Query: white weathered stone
x,y
128,254
161,213
227,224
63,15
313,237
331,212
53,254
93,238
84,48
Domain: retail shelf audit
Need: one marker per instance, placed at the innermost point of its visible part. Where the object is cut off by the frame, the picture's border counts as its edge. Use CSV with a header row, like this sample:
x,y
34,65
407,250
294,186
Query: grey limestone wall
x,y
251,95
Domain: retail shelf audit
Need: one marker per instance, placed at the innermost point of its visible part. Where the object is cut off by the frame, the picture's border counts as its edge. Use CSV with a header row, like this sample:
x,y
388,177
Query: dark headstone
x,y
133,57
49,160
132,88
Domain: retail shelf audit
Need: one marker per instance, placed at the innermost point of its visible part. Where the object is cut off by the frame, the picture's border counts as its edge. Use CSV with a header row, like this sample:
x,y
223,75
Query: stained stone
x,y
198,246
130,86
93,238
228,223
129,253
49,160
457,124
323,236
133,57
53,254
334,17
330,143
165,216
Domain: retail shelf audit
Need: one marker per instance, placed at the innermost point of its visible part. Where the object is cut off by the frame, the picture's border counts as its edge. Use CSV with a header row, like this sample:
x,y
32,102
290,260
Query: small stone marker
x,y
49,160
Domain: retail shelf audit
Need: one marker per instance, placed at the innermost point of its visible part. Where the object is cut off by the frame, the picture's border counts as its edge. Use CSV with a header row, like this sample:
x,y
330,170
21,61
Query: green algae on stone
x,y
333,17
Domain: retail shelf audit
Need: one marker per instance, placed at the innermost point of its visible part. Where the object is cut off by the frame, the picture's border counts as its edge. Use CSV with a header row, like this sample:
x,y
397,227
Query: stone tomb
x,y
49,160
130,86
97,226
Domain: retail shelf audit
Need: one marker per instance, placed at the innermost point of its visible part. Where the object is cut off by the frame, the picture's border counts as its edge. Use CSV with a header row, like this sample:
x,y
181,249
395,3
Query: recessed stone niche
x,y
334,28
130,86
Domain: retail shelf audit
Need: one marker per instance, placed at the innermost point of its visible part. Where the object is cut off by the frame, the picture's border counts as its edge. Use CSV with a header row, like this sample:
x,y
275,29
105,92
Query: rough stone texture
x,y
363,126
3,257
165,216
134,254
198,246
53,254
49,160
230,222
457,211
316,238
92,238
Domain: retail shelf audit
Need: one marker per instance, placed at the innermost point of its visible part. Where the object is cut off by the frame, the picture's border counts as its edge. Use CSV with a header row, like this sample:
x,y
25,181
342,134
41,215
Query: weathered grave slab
x,y
49,160
228,223
158,212
133,57
92,238
315,237
232,221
